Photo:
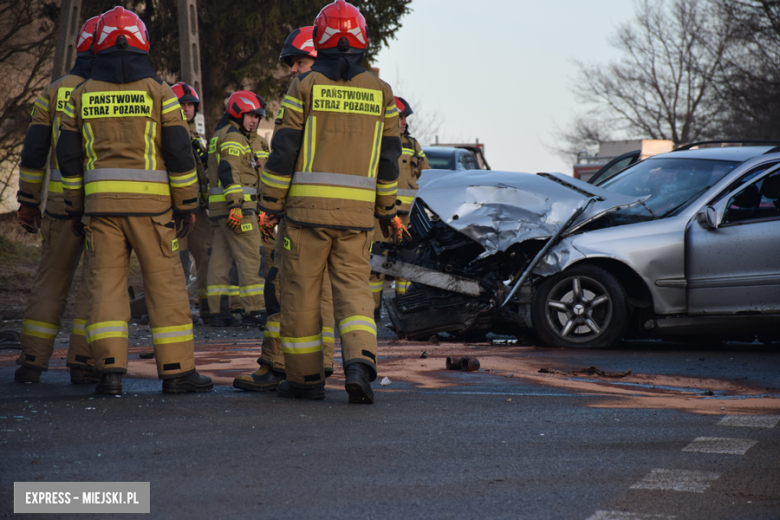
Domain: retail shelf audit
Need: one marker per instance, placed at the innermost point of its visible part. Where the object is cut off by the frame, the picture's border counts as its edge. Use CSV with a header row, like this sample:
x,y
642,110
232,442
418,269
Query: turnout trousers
x,y
272,354
377,280
345,253
109,242
198,243
60,254
243,247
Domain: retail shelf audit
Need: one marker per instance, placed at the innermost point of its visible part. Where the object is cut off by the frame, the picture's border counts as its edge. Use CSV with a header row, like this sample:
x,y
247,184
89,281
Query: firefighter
x,y
127,165
60,250
299,54
334,165
233,198
410,167
199,241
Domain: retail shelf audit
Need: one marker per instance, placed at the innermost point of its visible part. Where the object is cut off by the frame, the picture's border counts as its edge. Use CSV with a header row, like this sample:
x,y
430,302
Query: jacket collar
x,y
122,67
339,66
83,67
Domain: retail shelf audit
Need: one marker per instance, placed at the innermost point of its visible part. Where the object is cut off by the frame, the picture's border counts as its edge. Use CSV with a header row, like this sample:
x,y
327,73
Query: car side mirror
x,y
707,217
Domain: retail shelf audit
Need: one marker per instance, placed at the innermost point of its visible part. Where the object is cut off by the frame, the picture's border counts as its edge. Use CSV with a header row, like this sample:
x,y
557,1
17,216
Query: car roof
x,y
730,153
441,151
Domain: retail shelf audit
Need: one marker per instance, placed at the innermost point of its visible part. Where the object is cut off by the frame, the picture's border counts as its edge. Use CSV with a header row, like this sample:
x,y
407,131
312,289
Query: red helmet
x,y
119,30
242,102
298,45
404,109
84,43
340,28
186,94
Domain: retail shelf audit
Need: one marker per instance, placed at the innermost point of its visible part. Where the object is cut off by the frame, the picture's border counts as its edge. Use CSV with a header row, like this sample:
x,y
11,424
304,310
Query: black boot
x,y
265,379
110,384
224,320
358,384
27,374
83,376
191,383
257,318
313,392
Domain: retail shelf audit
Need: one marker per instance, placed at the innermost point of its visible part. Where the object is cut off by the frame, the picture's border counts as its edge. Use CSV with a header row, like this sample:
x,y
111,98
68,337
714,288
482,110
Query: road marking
x,y
720,445
677,480
750,421
620,515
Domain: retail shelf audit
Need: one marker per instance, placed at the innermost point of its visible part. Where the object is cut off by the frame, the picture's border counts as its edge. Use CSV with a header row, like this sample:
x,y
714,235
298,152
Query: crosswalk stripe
x,y
750,421
622,515
720,445
677,480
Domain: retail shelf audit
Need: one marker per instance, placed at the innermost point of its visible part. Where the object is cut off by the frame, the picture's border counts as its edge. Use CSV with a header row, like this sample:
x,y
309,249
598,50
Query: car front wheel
x,y
582,307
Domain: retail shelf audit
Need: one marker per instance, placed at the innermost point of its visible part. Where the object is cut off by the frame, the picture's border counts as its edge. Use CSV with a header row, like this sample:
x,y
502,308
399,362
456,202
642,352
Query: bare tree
x,y
27,40
750,71
662,87
425,123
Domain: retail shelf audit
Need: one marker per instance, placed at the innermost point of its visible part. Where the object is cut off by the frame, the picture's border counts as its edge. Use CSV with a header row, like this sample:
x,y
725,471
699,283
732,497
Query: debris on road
x,y
385,381
146,355
586,371
424,355
466,364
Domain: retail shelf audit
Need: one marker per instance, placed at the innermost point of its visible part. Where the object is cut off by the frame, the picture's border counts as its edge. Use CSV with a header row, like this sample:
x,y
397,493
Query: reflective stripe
x,y
391,111
422,153
69,110
140,188
408,193
56,138
305,345
407,151
181,181
238,146
79,327
106,329
175,334
73,183
387,188
216,191
356,323
272,329
309,143
202,293
233,188
328,335
90,146
377,286
218,289
294,104
332,192
125,174
334,179
170,105
56,176
251,290
40,329
401,286
150,156
374,164
262,155
42,103
55,187
275,181
31,177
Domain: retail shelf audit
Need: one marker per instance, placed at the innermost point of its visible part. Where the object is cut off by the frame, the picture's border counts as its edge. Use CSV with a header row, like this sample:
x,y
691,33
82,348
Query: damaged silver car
x,y
684,243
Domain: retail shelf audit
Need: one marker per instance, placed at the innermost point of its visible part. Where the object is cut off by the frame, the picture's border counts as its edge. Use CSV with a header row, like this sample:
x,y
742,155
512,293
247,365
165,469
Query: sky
x,y
501,71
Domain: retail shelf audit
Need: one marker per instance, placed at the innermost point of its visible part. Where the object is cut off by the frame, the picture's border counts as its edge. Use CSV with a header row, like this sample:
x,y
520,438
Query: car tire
x,y
582,307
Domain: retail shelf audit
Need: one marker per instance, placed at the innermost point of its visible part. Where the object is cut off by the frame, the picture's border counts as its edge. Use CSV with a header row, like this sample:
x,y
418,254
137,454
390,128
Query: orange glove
x,y
234,218
267,223
183,224
399,230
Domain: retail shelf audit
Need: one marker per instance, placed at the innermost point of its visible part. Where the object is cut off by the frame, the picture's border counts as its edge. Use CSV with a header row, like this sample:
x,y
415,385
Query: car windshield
x,y
669,184
439,163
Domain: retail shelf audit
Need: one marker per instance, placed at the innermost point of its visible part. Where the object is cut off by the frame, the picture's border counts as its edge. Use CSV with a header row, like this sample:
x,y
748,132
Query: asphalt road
x,y
488,444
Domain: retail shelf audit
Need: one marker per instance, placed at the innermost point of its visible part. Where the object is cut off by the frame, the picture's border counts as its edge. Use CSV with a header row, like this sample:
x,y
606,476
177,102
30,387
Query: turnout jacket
x,y
335,153
201,163
125,150
235,162
410,167
40,143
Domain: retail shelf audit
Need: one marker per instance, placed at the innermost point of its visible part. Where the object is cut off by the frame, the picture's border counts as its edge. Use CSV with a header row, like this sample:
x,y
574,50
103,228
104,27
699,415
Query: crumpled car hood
x,y
499,209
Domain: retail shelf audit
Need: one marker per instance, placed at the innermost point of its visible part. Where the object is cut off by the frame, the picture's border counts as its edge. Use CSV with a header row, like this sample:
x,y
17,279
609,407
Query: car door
x,y
735,267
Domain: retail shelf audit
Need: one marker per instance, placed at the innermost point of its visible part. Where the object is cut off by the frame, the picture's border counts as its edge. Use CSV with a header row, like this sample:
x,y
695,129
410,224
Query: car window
x,y
470,162
615,169
759,201
669,184
439,163
461,164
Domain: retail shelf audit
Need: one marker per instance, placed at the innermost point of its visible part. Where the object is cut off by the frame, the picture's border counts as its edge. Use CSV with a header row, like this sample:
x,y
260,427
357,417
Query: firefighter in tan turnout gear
x,y
334,165
237,156
127,164
298,53
410,166
61,250
198,242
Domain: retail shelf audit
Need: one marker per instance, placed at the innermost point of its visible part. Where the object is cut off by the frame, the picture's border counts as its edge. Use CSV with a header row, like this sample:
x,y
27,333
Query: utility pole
x,y
67,36
189,42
